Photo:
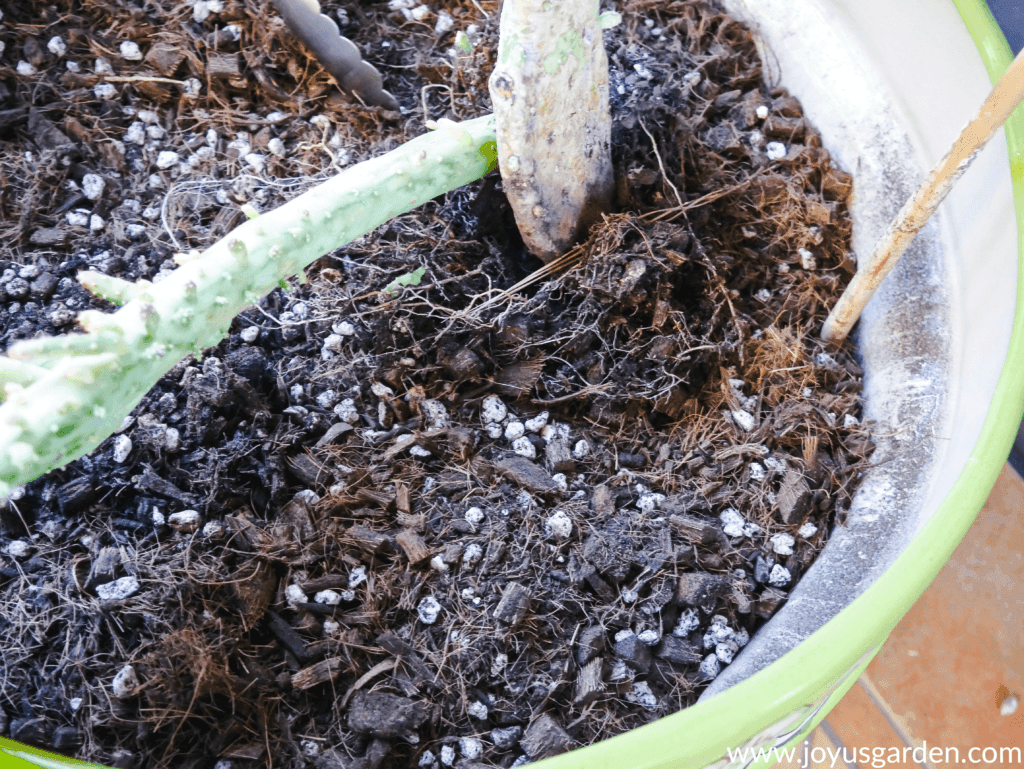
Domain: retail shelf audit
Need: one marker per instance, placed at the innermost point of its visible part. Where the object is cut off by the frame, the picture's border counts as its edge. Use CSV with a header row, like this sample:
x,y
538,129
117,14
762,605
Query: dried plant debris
x,y
436,505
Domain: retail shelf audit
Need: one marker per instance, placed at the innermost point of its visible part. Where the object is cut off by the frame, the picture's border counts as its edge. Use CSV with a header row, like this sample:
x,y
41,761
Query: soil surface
x,y
478,516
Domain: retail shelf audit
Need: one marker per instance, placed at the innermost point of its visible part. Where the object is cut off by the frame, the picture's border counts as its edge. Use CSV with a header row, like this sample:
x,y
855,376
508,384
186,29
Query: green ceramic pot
x,y
889,85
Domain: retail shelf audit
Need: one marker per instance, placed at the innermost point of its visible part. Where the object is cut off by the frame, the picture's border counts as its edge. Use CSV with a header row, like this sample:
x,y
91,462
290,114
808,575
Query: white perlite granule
x,y
743,419
124,683
435,414
214,530
130,51
493,410
733,524
19,548
524,448
718,632
649,501
327,399
643,696
649,637
537,423
558,526
689,621
118,590
356,577
428,610
726,651
77,218
472,555
346,411
122,448
186,521
167,159
780,576
444,23
711,666
470,747
783,543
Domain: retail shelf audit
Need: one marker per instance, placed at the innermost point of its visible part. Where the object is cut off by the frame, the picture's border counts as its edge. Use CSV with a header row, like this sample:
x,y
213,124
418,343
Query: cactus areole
x,y
550,95
64,395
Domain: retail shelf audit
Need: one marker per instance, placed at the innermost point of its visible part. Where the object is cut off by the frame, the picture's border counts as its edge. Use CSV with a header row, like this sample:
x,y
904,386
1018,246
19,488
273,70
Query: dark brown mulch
x,y
447,595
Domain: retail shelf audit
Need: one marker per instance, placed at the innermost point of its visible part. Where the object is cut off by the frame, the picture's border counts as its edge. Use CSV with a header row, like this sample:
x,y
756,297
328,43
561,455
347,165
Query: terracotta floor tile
x,y
859,723
959,652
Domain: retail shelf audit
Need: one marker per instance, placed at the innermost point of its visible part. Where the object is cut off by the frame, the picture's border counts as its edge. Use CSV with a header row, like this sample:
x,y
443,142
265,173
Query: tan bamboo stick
x,y
1007,93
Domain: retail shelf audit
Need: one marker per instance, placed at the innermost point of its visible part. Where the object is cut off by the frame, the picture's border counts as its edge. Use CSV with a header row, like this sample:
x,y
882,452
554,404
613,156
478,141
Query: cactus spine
x,y
66,394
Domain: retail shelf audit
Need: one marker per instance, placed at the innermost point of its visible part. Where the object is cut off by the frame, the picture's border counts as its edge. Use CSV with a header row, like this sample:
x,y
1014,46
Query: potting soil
x,y
437,503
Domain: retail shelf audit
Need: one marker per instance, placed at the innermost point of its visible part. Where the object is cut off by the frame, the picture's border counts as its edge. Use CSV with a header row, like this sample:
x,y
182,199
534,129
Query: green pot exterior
x,y
781,704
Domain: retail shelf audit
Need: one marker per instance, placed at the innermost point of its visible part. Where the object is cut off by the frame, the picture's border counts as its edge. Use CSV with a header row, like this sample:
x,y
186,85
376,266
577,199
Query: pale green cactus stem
x,y
65,395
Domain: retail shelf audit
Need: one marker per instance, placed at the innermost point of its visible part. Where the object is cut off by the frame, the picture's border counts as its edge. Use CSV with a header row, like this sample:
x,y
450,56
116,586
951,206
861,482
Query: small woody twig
x,y
1007,93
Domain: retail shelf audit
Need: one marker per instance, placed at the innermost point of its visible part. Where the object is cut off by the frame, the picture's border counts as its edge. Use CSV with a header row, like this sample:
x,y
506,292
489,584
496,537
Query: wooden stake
x,y
1007,93
549,89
